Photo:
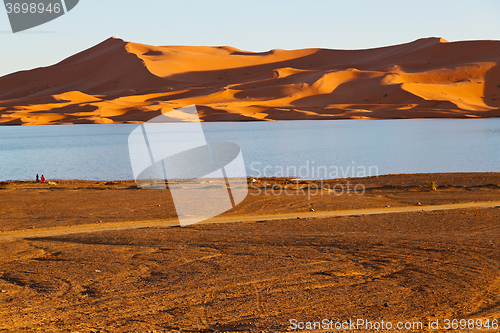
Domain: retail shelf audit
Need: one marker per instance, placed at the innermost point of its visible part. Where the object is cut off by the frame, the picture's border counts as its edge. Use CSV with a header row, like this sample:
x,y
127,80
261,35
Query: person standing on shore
x,y
43,179
37,178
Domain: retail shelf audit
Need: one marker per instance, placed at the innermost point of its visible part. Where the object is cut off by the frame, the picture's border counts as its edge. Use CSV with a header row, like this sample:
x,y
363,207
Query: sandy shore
x,y
400,265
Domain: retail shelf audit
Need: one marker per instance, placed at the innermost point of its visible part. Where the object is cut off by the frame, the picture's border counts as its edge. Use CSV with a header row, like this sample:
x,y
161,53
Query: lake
x,y
306,149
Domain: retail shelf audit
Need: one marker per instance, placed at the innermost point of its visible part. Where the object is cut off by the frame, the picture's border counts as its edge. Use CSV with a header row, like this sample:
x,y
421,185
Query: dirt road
x,y
96,227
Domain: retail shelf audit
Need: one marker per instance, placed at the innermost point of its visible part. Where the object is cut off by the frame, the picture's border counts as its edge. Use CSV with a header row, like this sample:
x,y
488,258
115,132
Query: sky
x,y
257,25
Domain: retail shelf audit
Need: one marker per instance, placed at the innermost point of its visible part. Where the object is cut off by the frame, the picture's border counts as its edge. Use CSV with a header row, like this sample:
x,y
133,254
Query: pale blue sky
x,y
257,25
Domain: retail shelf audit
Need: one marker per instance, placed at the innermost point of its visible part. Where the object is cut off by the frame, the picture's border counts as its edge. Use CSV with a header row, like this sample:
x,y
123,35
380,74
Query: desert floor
x,y
84,256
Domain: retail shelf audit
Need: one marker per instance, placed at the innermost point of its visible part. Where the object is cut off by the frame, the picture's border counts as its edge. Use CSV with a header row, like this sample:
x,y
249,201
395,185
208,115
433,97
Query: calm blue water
x,y
308,149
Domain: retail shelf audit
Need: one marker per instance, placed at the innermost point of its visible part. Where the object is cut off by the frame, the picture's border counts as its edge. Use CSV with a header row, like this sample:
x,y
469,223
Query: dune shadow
x,y
492,87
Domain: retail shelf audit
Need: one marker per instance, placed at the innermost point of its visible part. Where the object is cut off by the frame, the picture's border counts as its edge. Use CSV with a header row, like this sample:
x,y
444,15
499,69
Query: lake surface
x,y
307,149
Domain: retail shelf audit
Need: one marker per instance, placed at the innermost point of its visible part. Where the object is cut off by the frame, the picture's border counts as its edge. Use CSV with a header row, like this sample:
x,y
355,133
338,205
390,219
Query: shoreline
x,y
280,179
435,117
64,203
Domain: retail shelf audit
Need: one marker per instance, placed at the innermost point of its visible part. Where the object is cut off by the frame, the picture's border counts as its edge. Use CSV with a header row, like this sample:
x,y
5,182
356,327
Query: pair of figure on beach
x,y
42,180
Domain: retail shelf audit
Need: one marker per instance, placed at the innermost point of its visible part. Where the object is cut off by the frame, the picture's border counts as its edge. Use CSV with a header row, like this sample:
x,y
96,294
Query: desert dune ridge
x,y
124,82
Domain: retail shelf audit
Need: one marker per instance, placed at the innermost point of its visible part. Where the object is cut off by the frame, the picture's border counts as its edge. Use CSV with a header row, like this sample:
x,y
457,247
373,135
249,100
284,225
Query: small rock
x,y
311,209
418,203
388,206
4,291
97,271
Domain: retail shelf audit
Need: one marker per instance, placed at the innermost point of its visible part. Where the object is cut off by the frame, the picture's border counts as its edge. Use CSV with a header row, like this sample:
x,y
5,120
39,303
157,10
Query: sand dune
x,y
121,82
